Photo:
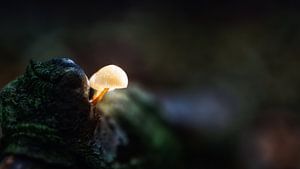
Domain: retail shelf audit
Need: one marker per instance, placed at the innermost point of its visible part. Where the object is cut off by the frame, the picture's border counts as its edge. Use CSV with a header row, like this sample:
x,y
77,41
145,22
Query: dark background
x,y
227,72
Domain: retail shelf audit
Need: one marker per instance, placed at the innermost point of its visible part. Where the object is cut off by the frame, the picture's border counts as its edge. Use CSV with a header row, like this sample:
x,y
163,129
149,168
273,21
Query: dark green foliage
x,y
151,144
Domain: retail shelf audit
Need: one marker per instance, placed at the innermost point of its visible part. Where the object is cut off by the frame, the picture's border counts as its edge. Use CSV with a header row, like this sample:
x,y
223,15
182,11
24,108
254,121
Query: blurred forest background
x,y
226,72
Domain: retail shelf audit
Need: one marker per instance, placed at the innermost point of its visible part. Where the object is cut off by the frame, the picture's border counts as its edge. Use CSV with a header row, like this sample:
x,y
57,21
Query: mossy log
x,y
48,121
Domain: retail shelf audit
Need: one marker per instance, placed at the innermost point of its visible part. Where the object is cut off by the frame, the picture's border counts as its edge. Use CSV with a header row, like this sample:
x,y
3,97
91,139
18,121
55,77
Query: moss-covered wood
x,y
46,116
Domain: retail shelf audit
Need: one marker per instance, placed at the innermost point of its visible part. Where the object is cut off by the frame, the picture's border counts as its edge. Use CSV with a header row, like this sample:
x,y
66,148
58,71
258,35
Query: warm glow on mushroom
x,y
106,79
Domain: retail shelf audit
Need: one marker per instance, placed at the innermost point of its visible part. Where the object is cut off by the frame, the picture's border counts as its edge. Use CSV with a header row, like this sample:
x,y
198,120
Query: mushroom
x,y
107,79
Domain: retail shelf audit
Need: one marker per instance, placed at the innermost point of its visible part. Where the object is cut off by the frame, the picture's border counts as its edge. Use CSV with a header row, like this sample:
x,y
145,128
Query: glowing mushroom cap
x,y
111,76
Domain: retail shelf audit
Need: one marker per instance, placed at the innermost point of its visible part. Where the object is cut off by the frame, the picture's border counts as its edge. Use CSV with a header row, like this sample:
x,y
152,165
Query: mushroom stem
x,y
99,96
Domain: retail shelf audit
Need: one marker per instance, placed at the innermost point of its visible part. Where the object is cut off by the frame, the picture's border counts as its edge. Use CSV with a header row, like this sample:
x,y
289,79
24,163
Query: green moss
x,y
150,140
44,114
